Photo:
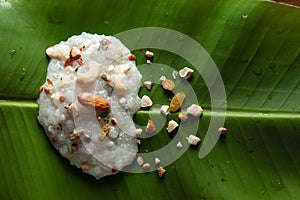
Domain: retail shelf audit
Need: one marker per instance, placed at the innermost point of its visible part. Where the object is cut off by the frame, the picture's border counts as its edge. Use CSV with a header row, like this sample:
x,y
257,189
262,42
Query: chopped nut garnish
x,y
186,73
179,145
73,137
193,140
138,132
132,57
146,101
195,110
59,52
105,77
119,87
47,90
105,42
49,81
113,121
146,166
148,84
86,138
54,139
74,147
172,125
75,53
114,169
160,171
102,136
91,100
177,101
140,160
168,84
137,141
62,98
70,108
80,62
105,128
164,110
68,62
122,101
126,69
85,167
111,69
150,127
157,161
222,131
41,88
90,76
182,117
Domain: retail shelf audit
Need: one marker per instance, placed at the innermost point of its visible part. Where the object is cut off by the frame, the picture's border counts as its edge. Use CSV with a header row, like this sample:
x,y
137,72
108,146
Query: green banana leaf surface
x,y
255,46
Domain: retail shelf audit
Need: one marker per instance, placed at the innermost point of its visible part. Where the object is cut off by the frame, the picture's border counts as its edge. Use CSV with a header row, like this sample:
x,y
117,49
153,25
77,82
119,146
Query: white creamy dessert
x,y
88,100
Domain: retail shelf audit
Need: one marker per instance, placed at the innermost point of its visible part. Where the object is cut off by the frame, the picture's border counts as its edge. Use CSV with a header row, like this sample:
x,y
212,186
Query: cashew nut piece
x,y
59,52
89,77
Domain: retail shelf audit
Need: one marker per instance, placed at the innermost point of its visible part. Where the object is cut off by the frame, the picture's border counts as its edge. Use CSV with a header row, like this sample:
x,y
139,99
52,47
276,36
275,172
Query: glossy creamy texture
x,y
100,55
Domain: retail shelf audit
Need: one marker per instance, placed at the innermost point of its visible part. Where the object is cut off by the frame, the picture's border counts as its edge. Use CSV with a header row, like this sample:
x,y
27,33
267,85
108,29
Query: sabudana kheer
x,y
87,102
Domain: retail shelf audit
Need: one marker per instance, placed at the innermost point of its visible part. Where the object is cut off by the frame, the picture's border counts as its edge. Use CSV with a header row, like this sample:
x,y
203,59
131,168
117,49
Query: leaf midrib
x,y
248,113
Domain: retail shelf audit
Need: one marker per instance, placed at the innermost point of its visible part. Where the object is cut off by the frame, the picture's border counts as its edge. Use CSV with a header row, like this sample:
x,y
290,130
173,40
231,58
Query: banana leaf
x,y
256,48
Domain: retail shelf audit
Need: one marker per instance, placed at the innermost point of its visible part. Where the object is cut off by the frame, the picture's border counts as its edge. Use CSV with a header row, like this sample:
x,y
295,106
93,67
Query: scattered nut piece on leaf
x,y
195,110
160,171
168,84
148,84
150,127
222,131
140,160
177,101
146,102
149,54
179,145
146,166
182,117
172,125
193,140
164,110
157,161
186,73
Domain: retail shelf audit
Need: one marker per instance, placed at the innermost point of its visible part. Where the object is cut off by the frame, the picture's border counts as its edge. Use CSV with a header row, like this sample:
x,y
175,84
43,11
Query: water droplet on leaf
x,y
257,71
277,185
12,52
